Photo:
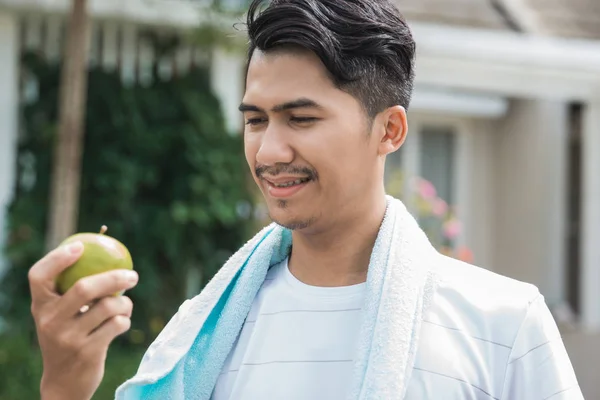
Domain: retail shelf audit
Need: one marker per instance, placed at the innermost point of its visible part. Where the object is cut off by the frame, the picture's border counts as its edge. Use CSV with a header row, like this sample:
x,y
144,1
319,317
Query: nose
x,y
274,148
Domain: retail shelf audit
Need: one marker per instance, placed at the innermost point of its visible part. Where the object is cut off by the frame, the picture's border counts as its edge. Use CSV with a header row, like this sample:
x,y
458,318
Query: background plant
x,y
438,219
160,170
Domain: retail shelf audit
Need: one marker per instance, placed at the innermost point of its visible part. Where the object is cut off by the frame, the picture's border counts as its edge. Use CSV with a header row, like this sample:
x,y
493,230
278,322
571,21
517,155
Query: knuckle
x,y
106,306
127,303
121,323
33,275
33,308
82,288
44,325
113,306
100,307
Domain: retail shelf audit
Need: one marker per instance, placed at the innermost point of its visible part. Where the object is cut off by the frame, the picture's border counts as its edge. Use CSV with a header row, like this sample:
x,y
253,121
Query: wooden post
x,y
66,170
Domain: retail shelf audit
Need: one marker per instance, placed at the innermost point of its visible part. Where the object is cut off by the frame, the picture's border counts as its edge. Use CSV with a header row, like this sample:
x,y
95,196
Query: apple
x,y
101,253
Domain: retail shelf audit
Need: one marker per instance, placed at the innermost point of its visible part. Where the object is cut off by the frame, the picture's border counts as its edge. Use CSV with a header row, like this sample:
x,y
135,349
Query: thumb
x,y
43,274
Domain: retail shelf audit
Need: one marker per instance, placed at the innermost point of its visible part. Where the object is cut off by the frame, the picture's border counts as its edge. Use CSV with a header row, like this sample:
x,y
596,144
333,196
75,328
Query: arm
x,y
539,367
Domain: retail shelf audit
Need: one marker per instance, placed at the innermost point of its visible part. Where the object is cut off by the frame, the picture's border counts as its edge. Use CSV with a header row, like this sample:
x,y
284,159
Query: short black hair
x,y
366,45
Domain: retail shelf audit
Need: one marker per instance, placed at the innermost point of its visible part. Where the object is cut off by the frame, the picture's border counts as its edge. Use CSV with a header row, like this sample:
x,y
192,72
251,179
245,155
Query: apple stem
x,y
103,229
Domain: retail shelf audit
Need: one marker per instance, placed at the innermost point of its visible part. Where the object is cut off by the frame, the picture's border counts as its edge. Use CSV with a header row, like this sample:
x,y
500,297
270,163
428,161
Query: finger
x,y
95,287
105,309
109,330
43,274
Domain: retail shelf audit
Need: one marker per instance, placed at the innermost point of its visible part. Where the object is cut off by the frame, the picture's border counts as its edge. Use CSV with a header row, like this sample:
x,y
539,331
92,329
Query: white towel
x,y
186,359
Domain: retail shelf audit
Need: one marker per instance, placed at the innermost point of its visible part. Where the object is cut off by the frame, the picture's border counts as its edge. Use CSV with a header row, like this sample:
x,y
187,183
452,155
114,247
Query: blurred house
x,y
505,122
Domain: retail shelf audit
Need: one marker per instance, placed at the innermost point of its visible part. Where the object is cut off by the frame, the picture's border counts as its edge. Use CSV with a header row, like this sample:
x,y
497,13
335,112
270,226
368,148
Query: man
x,y
343,297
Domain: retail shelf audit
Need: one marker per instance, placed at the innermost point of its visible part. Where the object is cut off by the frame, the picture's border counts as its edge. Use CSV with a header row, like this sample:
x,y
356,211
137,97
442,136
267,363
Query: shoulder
x,y
481,303
476,286
494,332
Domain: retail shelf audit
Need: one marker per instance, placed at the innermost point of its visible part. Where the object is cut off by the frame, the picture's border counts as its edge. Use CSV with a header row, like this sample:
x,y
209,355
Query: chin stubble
x,y
292,225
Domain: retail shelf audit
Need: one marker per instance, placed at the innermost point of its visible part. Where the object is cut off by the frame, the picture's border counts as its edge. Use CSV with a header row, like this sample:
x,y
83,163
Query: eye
x,y
255,121
303,120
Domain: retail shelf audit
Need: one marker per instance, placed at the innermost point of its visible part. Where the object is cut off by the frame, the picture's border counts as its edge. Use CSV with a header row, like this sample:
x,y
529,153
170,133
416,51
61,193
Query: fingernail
x,y
130,276
74,248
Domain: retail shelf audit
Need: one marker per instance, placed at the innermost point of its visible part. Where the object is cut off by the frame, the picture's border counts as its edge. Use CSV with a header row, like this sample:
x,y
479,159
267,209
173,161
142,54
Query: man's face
x,y
307,142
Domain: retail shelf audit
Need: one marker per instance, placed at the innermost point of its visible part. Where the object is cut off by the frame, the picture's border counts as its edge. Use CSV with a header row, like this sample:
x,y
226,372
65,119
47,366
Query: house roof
x,y
569,18
566,18
470,13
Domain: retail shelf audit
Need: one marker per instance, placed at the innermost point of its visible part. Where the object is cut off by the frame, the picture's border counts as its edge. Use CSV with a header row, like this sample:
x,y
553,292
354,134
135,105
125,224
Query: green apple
x,y
101,253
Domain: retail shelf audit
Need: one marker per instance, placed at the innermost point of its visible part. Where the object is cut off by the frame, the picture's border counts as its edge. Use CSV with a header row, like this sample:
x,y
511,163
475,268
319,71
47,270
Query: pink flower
x,y
426,189
452,229
465,254
440,207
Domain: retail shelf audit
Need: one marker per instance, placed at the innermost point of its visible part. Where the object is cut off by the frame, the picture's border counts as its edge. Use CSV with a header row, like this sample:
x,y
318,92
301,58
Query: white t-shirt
x,y
297,343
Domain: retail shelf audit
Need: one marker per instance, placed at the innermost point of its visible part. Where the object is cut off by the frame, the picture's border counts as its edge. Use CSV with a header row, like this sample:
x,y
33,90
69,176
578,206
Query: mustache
x,y
275,170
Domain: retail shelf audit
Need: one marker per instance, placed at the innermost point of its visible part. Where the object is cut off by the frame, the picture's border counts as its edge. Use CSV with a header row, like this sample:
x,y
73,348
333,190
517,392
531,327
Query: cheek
x,y
338,159
251,147
354,166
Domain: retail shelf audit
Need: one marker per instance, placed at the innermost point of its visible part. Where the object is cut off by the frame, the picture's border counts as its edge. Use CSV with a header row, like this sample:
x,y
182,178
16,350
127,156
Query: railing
x,y
175,13
119,46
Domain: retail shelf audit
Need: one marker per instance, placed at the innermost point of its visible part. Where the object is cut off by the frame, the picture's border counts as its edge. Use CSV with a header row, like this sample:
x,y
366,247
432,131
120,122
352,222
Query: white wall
x,y
8,113
530,152
227,80
478,136
507,63
590,207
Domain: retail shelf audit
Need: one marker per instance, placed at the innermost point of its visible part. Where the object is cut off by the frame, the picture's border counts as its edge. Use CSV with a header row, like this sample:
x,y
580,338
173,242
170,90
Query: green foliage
x,y
21,369
159,169
222,27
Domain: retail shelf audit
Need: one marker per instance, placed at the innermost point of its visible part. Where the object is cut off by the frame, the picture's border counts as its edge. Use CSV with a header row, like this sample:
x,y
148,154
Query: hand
x,y
74,344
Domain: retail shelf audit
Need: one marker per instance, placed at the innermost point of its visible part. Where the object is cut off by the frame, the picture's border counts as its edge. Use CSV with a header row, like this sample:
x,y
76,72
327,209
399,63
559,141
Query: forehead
x,y
281,75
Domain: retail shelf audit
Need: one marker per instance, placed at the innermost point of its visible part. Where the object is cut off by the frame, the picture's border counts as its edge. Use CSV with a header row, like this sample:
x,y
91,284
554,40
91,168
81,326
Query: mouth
x,y
289,183
285,188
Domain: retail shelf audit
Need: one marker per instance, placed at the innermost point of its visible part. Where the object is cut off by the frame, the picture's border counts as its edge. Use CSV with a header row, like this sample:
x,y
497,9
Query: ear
x,y
395,129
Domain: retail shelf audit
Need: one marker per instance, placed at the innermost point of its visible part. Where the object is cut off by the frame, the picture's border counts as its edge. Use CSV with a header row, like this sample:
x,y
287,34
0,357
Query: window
x,y
437,160
430,153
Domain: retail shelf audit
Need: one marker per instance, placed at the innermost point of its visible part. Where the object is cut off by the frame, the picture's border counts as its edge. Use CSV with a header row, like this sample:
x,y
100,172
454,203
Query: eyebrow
x,y
290,105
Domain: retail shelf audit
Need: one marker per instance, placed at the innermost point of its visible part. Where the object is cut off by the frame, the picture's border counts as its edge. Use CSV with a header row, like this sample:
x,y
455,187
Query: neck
x,y
340,255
